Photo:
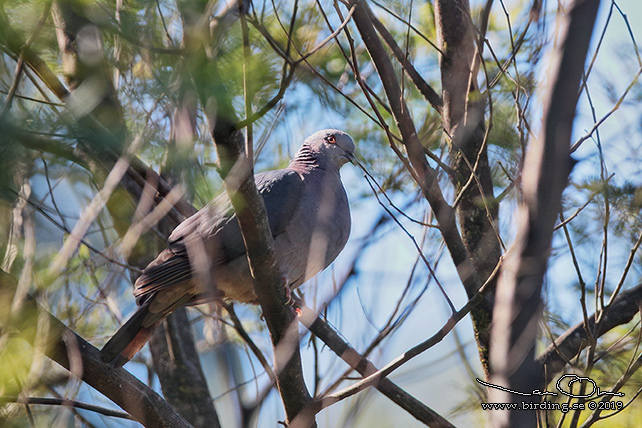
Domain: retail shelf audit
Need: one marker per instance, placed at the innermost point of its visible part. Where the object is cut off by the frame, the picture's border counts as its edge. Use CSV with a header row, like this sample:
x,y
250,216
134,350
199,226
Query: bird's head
x,y
335,147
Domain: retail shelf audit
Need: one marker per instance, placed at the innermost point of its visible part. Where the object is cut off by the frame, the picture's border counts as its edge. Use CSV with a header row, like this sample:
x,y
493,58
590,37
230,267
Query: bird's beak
x,y
351,158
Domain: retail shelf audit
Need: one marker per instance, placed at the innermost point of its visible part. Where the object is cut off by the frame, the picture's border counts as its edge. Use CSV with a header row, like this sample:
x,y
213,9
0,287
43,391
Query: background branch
x,y
103,135
569,345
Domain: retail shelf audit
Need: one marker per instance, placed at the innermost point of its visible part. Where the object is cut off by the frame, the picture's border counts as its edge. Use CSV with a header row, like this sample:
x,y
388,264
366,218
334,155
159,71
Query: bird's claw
x,y
292,299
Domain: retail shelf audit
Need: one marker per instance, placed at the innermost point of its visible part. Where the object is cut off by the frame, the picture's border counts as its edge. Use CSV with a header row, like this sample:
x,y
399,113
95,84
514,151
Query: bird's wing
x,y
218,225
215,230
282,191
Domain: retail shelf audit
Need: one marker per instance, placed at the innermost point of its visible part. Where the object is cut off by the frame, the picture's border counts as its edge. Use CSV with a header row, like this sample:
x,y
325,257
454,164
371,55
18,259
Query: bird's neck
x,y
305,160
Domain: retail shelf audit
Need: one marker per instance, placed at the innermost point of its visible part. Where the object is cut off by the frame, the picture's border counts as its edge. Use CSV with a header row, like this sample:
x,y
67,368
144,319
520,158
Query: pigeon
x,y
309,217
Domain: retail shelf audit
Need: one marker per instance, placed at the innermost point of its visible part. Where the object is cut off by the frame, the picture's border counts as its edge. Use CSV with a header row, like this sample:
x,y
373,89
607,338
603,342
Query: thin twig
x,y
66,402
412,352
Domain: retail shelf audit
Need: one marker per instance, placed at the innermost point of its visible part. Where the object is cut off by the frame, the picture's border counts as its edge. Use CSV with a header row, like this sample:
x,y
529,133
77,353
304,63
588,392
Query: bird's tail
x,y
129,339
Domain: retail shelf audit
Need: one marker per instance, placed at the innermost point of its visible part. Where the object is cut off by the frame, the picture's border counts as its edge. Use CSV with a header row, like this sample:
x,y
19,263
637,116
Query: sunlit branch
x,y
80,357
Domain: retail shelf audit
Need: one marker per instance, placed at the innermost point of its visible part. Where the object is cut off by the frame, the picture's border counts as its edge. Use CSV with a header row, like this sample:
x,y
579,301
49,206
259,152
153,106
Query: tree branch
x,y
333,339
567,346
463,119
236,171
546,171
65,402
81,358
425,175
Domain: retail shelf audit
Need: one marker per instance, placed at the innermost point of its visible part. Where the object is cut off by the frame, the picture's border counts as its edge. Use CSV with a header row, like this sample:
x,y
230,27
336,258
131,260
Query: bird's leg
x,y
292,299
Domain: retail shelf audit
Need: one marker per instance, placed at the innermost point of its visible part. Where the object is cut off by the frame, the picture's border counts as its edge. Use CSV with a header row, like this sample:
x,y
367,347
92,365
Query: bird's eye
x,y
330,139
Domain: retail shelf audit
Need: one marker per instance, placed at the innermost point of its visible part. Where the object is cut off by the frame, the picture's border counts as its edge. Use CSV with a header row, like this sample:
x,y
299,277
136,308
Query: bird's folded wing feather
x,y
217,228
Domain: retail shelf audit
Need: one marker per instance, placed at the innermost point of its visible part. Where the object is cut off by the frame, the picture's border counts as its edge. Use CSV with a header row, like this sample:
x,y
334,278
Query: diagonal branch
x,y
377,376
330,337
426,90
425,175
48,401
567,346
78,356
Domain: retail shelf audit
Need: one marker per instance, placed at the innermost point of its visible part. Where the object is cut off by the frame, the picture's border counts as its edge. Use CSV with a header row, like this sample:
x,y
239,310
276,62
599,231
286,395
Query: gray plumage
x,y
309,218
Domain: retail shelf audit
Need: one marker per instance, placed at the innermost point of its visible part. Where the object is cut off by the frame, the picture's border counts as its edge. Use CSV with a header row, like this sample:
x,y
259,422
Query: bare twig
x,y
333,339
599,123
417,247
66,402
377,376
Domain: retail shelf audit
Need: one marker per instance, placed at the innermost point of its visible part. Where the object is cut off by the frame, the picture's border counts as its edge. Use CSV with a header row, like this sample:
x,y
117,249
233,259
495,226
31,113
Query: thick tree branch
x,y
463,119
236,171
567,346
82,359
425,175
546,171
